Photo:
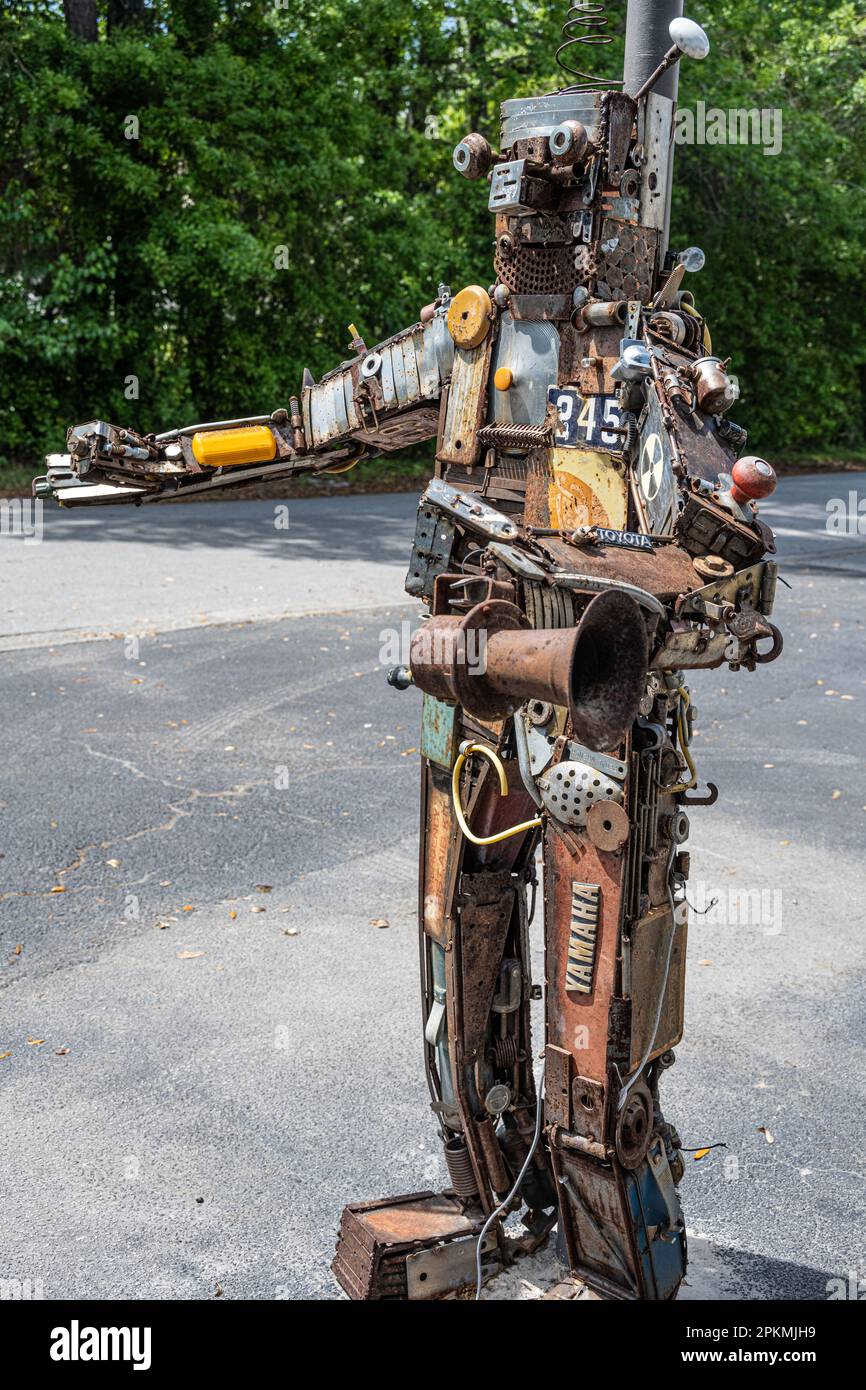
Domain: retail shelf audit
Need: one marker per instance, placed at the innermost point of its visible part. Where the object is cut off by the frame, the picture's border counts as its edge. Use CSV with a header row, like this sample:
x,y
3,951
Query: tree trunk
x,y
123,14
81,19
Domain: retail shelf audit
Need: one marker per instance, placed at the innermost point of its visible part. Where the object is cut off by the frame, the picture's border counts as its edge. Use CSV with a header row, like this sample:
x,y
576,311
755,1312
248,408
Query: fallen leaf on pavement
x,y
59,888
290,931
61,1051
114,863
233,915
258,909
705,962
766,1133
264,888
35,1042
379,922
3,1055
189,955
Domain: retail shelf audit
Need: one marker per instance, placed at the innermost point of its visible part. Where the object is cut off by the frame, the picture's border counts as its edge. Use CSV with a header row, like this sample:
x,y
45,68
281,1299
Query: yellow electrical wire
x,y
465,752
708,342
685,701
343,467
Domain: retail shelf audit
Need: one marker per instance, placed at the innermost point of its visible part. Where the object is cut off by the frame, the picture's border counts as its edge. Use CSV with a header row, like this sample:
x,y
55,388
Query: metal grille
x,y
535,269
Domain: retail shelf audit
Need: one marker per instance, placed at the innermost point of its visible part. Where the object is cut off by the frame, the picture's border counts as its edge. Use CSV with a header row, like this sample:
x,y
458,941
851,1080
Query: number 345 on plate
x,y
586,421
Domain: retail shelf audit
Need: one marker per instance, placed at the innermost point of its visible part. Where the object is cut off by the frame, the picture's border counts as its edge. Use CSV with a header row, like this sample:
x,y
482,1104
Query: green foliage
x,y
290,172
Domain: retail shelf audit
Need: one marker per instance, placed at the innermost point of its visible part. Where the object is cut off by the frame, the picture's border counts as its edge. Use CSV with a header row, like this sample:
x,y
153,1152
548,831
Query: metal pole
x,y
646,43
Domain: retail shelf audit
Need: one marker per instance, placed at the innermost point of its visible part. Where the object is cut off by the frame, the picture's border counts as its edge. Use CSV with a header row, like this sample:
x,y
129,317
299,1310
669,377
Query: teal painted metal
x,y
439,732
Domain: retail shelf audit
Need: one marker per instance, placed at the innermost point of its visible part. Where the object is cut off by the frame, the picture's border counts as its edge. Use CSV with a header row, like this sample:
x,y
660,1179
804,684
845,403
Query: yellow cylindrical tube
x,y
225,448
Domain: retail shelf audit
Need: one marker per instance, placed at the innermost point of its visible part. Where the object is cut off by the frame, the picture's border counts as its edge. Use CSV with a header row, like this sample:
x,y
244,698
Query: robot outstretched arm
x,y
381,400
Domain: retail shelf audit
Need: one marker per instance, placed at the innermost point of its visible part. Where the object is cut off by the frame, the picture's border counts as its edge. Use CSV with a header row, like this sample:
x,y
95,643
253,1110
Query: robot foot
x,y
420,1246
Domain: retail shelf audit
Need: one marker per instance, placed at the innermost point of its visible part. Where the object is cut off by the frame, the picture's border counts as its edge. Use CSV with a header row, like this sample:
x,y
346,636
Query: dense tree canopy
x,y
199,195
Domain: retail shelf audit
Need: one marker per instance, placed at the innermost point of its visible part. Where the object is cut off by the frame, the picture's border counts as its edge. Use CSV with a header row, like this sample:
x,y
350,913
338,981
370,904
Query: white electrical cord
x,y
506,1201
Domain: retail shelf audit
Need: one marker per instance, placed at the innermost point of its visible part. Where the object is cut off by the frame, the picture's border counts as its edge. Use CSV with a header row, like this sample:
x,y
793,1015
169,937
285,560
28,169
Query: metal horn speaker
x,y
491,660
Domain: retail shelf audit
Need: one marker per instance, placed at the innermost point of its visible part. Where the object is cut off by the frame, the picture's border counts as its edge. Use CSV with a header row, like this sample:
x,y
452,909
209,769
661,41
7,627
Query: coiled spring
x,y
585,24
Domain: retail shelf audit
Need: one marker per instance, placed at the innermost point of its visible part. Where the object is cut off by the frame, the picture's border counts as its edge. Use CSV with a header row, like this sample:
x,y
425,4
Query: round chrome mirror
x,y
692,258
689,38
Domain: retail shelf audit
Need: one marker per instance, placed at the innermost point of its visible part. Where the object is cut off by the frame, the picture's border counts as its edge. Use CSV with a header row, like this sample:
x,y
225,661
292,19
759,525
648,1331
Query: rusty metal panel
x,y
599,347
439,844
403,430
326,411
579,1022
557,1086
586,490
648,953
487,903
410,367
666,573
589,1114
628,258
414,368
445,1268
439,732
467,402
376,1238
656,133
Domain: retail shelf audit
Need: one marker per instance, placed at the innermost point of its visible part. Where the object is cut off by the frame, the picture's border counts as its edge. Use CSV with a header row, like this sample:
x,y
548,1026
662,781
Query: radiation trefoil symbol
x,y
652,467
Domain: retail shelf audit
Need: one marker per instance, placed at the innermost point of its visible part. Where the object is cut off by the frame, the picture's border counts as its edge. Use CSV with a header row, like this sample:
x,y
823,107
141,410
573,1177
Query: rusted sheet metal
x,y
402,431
438,732
467,404
557,1086
541,308
486,904
666,574
648,952
587,490
589,1109
621,111
579,1022
376,1237
408,368
599,1248
538,479
627,263
599,348
438,848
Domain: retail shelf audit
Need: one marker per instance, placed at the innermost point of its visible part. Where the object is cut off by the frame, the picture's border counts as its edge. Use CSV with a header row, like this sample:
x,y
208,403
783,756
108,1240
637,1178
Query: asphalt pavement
x,y
208,1040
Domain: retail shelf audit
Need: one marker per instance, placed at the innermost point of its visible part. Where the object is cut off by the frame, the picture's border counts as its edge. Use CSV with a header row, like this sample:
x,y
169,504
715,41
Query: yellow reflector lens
x,y
223,448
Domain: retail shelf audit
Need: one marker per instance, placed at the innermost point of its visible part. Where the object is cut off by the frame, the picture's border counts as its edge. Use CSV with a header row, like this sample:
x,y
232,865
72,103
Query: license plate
x,y
585,421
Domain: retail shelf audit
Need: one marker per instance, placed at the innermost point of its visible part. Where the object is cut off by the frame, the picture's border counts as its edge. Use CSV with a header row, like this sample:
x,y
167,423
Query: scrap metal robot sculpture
x,y
591,533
